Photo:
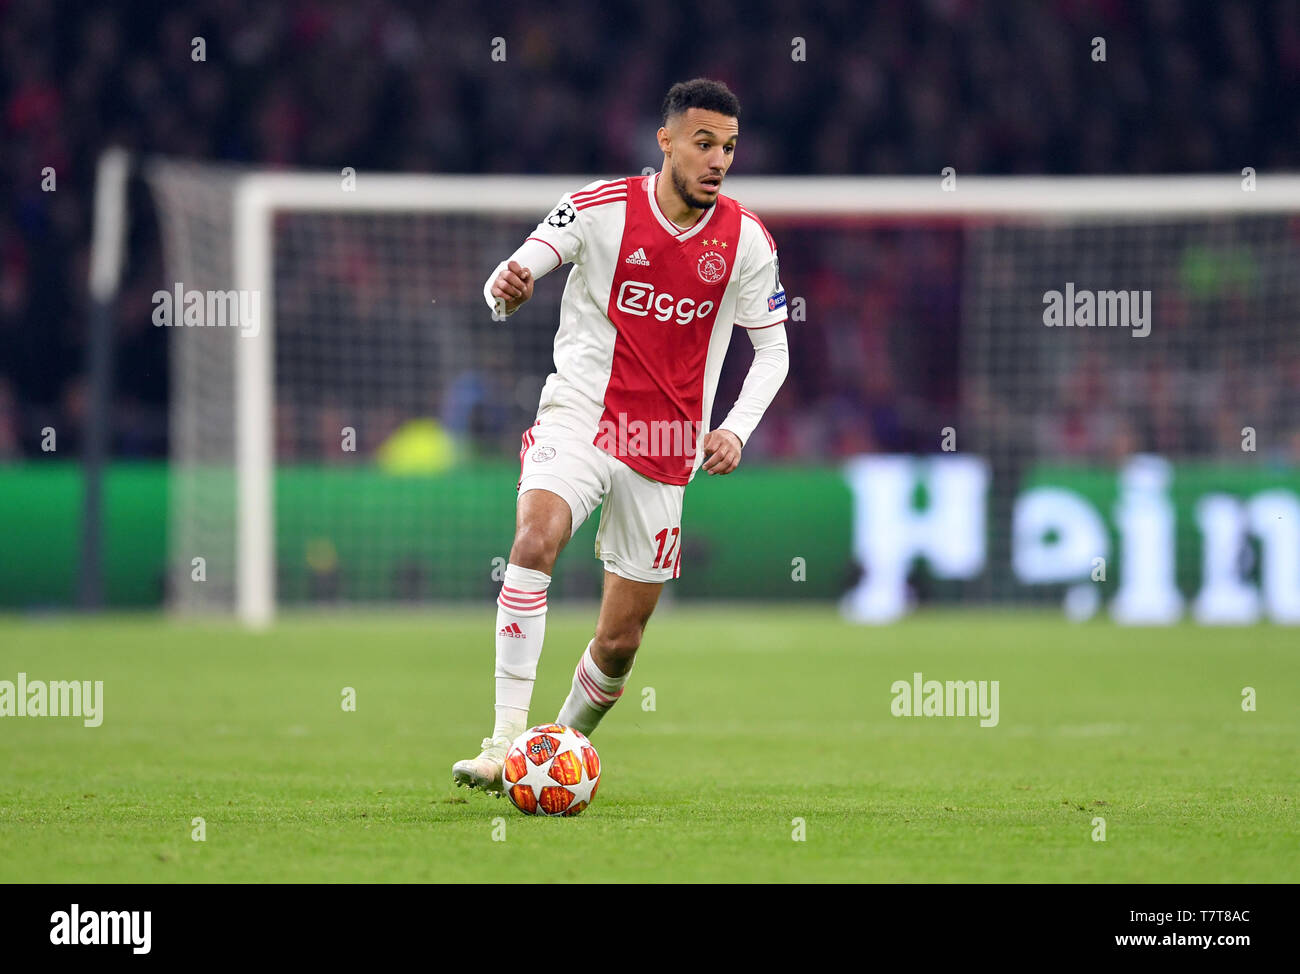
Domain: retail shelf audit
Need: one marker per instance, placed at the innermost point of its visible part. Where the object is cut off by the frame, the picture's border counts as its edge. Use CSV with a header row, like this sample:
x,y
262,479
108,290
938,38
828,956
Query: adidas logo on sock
x,y
512,630
637,257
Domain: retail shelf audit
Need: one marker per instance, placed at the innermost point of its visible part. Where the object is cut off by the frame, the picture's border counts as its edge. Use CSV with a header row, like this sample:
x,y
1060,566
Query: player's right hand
x,y
514,286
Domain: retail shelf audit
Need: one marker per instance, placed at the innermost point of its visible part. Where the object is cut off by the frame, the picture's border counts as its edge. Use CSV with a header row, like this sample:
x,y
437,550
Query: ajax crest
x,y
712,267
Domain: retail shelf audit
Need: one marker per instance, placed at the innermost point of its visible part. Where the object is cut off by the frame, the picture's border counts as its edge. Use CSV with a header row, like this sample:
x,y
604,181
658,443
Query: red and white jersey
x,y
646,318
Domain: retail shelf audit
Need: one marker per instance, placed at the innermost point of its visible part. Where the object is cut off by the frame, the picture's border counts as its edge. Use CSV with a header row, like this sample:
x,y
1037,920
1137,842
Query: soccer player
x,y
663,267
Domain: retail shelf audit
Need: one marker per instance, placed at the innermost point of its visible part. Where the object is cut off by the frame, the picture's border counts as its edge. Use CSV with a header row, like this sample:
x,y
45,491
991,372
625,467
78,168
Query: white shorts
x,y
639,536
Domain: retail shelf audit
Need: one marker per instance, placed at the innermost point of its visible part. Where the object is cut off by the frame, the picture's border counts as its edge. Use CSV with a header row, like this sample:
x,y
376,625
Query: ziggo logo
x,y
635,298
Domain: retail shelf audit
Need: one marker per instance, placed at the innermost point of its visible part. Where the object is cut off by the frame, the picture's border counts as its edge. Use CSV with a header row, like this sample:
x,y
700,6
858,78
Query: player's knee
x,y
534,549
618,645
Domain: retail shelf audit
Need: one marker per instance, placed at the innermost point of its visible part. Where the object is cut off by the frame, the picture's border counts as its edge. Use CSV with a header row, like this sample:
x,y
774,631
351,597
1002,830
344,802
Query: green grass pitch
x,y
762,716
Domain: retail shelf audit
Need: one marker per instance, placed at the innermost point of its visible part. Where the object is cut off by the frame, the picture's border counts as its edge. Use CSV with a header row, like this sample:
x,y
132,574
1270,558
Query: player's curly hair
x,y
704,93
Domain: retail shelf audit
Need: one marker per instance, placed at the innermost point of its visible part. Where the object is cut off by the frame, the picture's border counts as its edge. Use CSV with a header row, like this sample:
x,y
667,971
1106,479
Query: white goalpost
x,y
369,318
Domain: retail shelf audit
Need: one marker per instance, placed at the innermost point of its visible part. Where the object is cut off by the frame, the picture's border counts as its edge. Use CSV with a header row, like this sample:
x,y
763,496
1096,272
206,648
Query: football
x,y
551,770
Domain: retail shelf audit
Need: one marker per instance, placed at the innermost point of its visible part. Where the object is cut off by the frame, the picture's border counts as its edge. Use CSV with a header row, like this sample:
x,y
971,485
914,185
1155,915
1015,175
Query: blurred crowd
x,y
897,87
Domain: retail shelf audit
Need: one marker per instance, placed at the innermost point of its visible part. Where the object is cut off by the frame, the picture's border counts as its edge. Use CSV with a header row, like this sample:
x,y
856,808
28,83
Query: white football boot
x,y
484,771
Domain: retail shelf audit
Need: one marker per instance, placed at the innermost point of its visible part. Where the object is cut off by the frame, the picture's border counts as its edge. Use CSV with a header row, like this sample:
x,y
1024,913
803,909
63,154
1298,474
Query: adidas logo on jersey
x,y
512,630
637,257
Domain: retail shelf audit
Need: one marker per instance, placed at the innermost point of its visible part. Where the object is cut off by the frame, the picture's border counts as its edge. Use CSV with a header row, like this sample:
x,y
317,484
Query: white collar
x,y
679,232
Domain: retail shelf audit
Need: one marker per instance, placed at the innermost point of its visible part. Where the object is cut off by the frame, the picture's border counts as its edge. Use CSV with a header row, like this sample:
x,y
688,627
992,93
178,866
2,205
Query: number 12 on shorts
x,y
662,559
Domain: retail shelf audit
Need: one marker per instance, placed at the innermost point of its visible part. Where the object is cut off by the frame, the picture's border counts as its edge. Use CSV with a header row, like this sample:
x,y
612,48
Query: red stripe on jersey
x,y
616,198
602,188
556,252
611,191
613,199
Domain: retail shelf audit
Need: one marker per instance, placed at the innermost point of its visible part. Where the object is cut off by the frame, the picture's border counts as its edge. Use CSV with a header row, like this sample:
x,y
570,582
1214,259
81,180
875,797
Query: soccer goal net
x,y
1114,363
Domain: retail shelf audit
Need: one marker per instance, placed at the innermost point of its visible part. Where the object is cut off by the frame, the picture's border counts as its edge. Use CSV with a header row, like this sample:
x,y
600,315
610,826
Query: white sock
x,y
521,626
593,693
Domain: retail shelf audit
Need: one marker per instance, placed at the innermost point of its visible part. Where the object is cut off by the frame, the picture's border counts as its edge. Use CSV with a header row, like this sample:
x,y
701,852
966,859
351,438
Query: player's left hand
x,y
721,452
